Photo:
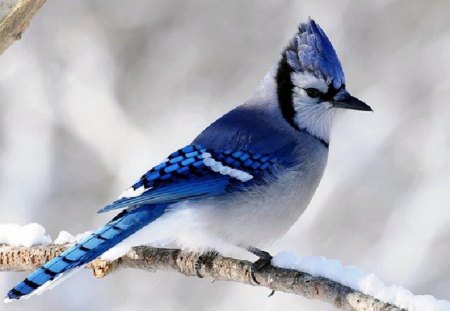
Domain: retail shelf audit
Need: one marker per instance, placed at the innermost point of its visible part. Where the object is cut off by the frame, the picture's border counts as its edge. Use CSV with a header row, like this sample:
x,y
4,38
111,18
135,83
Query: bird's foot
x,y
264,260
202,259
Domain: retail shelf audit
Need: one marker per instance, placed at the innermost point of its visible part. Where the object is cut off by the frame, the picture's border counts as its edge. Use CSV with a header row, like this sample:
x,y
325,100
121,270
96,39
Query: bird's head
x,y
311,83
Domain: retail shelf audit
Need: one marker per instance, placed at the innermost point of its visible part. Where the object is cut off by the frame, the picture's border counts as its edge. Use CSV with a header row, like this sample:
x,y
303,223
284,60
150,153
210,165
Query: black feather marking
x,y
118,216
84,248
16,292
284,89
49,272
30,283
102,238
66,260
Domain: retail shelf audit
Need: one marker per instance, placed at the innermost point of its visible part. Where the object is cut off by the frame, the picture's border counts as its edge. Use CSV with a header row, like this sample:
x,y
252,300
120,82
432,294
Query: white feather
x,y
306,80
218,167
316,118
206,155
225,170
131,192
209,161
311,114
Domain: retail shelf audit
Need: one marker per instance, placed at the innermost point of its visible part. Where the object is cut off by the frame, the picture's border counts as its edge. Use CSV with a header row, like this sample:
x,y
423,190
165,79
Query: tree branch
x,y
16,20
212,266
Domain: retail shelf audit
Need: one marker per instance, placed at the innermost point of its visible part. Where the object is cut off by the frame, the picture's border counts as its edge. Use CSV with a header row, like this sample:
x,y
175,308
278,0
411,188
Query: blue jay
x,y
244,181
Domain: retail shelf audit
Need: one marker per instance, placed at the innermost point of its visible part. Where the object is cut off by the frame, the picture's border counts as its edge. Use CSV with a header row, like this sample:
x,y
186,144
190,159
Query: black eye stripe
x,y
328,95
313,93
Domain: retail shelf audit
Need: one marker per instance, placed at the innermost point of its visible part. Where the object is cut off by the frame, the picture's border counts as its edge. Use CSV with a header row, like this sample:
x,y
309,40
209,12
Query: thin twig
x,y
16,21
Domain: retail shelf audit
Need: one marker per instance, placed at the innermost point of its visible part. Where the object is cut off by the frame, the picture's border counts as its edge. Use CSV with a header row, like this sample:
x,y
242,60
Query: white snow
x,y
64,237
356,279
28,235
34,234
81,236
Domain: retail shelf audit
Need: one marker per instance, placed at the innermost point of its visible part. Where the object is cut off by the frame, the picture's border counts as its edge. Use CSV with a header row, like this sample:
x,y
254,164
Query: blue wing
x,y
195,172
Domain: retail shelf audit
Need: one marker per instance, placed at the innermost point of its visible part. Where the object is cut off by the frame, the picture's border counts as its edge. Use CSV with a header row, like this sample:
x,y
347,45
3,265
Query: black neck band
x,y
285,89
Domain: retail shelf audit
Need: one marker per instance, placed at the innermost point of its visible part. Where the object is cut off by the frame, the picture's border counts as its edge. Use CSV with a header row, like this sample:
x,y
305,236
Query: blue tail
x,y
115,231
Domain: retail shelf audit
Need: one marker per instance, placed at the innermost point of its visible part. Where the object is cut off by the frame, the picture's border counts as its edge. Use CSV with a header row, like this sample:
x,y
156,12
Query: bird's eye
x,y
312,92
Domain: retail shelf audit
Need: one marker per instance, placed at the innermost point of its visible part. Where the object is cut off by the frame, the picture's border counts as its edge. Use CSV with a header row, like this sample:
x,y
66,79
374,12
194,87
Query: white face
x,y
311,112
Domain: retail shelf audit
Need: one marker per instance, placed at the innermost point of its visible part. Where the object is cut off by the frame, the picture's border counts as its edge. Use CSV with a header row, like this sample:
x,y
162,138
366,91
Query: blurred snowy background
x,y
97,92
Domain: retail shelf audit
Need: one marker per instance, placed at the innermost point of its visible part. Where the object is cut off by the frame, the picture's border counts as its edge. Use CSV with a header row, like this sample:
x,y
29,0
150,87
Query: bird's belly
x,y
261,216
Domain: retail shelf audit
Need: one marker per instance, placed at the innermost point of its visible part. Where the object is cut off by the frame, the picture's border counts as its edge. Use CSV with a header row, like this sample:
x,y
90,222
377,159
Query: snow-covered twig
x,y
212,266
15,15
24,248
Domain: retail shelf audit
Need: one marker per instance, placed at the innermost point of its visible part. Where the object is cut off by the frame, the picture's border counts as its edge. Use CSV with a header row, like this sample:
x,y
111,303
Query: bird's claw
x,y
202,259
197,266
264,260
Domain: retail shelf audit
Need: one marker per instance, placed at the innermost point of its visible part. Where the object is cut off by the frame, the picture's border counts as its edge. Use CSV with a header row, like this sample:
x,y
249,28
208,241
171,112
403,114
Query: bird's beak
x,y
350,102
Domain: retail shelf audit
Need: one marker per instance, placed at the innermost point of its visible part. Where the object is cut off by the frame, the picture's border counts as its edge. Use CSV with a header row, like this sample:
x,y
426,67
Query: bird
x,y
242,182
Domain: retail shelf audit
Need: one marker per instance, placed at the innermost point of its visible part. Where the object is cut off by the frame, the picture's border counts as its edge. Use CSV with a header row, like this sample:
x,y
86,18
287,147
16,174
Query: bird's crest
x,y
311,51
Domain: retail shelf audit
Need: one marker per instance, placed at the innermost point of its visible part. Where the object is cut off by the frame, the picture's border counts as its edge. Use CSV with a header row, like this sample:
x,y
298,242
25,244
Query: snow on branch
x,y
25,248
15,16
212,266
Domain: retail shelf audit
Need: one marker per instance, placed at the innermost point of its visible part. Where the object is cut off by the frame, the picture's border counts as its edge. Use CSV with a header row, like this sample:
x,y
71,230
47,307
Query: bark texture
x,y
211,266
16,21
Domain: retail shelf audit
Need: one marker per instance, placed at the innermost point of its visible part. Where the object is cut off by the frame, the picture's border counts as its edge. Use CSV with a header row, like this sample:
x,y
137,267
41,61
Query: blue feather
x,y
115,231
184,176
195,188
311,50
